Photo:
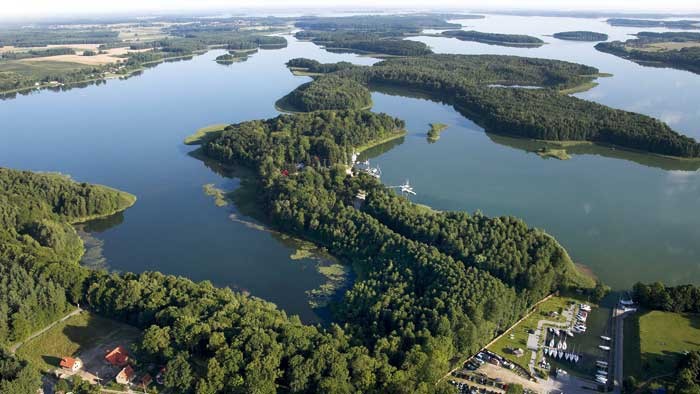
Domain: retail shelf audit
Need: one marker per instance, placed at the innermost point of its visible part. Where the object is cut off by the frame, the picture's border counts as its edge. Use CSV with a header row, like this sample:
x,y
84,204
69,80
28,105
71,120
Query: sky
x,y
48,8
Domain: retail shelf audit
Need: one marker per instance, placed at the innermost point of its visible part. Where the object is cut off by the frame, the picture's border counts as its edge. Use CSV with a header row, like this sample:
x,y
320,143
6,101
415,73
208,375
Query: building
x,y
117,357
146,380
125,376
71,364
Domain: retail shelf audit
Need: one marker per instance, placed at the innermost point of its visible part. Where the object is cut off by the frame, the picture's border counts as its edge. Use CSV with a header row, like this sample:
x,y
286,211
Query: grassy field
x,y
70,338
392,136
554,153
516,336
39,68
202,134
655,340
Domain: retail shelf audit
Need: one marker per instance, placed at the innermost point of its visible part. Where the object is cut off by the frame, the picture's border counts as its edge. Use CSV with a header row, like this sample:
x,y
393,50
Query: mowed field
x,y
32,68
655,340
77,336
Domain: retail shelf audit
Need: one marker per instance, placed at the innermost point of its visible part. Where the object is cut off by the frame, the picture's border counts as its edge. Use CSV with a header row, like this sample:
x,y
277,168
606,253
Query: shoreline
x,y
132,201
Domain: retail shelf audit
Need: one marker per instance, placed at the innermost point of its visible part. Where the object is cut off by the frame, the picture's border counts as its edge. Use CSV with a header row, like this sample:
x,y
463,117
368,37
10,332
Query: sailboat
x,y
551,343
561,354
563,345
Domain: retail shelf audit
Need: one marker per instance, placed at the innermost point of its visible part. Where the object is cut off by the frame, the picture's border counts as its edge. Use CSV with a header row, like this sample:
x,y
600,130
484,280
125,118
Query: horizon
x,y
46,10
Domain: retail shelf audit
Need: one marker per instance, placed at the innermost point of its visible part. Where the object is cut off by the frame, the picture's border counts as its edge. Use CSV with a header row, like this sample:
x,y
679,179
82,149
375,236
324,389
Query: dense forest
x,y
684,298
641,50
464,81
387,43
380,34
581,36
420,300
517,40
16,376
314,66
425,296
38,37
328,92
39,249
687,376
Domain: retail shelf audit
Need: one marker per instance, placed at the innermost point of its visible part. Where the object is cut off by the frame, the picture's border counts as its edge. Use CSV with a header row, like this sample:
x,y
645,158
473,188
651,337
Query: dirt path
x,y
13,348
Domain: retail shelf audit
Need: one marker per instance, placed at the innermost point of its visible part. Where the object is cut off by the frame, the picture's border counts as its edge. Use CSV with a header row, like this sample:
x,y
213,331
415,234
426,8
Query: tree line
x,y
680,299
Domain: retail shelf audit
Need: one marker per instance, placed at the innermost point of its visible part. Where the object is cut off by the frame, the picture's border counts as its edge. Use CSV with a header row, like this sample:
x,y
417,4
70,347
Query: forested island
x,y
677,24
581,36
464,81
509,40
327,92
435,130
679,50
374,34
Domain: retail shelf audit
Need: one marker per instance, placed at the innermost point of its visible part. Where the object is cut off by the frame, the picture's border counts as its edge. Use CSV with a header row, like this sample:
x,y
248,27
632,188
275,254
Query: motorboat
x,y
603,337
603,347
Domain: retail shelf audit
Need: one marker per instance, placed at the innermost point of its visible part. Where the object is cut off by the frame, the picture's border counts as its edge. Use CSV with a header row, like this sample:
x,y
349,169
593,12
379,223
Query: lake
x,y
628,217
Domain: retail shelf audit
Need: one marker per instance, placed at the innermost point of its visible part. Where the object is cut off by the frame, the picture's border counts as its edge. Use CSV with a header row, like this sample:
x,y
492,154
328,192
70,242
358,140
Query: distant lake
x,y
628,217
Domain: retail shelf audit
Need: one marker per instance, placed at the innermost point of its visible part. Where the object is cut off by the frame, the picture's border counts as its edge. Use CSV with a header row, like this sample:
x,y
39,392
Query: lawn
x,y
70,338
516,336
660,340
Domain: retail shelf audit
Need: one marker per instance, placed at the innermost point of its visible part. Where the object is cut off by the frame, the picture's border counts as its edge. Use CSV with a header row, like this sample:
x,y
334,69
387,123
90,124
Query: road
x,y
619,316
13,348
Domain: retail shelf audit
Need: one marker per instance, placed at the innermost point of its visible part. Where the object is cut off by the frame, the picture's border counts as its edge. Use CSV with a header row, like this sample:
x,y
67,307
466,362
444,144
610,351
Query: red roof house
x,y
71,364
125,376
117,357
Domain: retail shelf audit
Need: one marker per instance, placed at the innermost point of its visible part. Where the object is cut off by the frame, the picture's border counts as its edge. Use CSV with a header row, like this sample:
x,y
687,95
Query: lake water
x,y
628,217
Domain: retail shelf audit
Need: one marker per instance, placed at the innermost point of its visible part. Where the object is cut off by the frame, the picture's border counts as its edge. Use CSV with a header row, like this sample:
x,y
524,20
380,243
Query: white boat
x,y
551,343
626,302
559,345
602,373
576,358
563,345
585,307
603,337
567,356
603,363
569,333
560,354
601,379
406,188
606,348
